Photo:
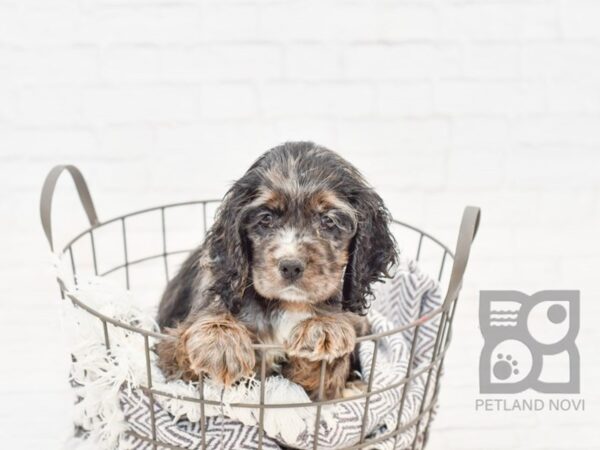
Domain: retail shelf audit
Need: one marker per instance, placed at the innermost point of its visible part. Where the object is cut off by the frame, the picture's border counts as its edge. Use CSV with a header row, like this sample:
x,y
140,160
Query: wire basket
x,y
156,240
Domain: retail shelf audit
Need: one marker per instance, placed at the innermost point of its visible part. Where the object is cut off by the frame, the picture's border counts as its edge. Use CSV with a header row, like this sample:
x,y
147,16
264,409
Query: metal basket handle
x,y
48,194
466,235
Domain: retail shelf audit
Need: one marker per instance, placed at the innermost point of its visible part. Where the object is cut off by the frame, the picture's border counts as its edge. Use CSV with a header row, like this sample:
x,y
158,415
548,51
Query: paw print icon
x,y
505,367
529,342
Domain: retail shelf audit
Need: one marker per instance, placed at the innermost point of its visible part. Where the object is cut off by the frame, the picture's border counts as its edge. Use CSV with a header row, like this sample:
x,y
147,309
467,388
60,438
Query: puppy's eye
x,y
327,222
266,220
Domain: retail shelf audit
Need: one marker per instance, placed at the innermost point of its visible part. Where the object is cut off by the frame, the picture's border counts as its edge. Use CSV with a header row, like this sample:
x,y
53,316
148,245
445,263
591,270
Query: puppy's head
x,y
301,225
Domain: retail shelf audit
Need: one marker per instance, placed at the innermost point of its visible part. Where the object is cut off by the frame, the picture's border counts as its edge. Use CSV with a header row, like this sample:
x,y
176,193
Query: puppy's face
x,y
300,244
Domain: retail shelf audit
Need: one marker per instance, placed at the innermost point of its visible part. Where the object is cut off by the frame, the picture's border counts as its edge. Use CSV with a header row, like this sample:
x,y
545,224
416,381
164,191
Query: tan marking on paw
x,y
354,388
321,338
220,347
308,375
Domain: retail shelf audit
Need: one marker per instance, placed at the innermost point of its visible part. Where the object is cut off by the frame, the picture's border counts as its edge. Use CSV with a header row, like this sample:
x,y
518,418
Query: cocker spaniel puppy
x,y
295,247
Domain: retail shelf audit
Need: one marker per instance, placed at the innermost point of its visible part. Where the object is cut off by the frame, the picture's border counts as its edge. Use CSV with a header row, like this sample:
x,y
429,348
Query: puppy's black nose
x,y
291,269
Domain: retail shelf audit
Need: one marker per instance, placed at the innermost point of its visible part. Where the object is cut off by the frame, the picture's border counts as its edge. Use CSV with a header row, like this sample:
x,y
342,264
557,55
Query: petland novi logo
x,y
524,335
529,344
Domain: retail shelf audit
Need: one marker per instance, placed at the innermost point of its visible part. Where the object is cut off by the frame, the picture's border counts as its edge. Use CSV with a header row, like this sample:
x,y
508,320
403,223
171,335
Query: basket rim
x,y
72,294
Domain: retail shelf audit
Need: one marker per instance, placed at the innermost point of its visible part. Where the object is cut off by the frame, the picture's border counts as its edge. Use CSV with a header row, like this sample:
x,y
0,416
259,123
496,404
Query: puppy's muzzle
x,y
291,269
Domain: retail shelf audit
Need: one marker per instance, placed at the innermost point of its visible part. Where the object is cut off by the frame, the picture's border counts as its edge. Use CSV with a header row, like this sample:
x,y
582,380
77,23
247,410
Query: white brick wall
x,y
441,103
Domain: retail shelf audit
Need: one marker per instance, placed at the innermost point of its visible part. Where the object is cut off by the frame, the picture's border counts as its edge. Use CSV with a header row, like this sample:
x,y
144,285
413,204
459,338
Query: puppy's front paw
x,y
321,338
220,347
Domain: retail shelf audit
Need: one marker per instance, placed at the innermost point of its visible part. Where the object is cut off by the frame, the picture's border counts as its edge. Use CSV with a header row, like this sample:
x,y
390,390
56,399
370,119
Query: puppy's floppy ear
x,y
230,248
372,251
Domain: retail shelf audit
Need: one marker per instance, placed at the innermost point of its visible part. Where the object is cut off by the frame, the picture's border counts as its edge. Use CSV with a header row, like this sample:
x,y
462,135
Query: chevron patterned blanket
x,y
106,409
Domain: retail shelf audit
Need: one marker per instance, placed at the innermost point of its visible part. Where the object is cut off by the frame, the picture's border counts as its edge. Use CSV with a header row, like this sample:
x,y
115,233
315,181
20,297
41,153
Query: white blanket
x,y
110,401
